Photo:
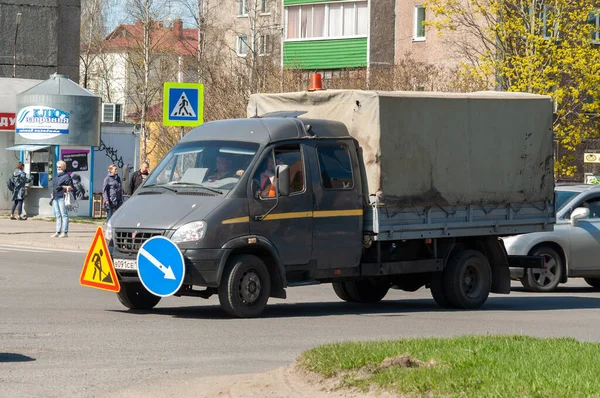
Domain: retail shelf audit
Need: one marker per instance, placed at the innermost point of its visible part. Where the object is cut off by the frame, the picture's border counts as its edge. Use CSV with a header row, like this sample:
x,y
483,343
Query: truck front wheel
x,y
134,296
467,279
245,286
364,291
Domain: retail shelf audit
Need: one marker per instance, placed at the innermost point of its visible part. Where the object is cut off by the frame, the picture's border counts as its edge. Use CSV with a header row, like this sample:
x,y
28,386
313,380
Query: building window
x,y
242,7
242,45
264,6
335,20
419,33
263,45
594,20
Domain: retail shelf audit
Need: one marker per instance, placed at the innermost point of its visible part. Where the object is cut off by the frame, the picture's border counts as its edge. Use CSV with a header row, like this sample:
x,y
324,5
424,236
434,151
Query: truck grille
x,y
130,241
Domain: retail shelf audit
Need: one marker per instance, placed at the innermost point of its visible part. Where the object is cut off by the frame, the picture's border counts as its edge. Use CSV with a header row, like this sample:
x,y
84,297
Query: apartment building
x,y
326,35
116,73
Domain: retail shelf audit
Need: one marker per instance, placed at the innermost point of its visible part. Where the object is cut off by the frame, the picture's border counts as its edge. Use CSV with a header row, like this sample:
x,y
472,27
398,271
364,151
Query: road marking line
x,y
39,250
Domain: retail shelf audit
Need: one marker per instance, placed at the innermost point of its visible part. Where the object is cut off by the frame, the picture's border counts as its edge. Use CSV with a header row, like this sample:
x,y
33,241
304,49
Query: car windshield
x,y
563,197
213,165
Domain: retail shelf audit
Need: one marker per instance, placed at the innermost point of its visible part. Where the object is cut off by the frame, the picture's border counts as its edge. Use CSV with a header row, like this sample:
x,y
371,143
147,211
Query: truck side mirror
x,y
282,180
578,214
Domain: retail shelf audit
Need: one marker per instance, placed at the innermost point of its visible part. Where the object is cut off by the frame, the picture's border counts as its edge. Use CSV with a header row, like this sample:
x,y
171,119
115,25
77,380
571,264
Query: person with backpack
x,y
19,179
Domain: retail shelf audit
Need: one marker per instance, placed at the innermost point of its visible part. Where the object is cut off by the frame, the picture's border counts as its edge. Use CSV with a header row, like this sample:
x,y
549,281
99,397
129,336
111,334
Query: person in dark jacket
x,y
19,178
62,184
138,177
112,191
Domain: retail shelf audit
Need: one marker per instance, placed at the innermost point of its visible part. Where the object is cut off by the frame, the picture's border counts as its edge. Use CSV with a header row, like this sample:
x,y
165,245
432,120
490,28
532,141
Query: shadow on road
x,y
561,289
388,308
10,357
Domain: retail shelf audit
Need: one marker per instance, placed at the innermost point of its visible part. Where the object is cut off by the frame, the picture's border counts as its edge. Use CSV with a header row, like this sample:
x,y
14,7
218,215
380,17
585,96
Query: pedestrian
x,y
112,191
63,185
19,179
138,177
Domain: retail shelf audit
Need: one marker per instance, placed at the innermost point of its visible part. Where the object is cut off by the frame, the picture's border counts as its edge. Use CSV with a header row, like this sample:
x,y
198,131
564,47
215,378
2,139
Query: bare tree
x,y
93,31
147,59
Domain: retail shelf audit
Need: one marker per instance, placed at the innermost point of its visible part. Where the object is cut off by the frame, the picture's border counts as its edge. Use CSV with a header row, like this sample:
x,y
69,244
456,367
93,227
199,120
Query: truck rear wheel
x,y
437,290
134,296
340,289
245,286
467,279
364,291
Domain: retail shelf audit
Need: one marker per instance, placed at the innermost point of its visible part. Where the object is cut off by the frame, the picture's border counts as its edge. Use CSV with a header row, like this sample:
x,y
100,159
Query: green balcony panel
x,y
325,54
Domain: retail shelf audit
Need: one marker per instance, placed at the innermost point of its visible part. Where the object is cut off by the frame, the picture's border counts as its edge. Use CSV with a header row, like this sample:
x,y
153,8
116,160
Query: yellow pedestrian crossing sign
x,y
98,270
183,104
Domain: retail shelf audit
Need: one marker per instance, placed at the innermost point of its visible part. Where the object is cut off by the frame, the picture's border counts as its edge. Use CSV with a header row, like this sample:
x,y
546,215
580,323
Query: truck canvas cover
x,y
440,149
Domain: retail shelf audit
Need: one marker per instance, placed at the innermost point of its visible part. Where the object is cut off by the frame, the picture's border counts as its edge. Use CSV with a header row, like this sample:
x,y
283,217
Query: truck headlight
x,y
108,232
191,232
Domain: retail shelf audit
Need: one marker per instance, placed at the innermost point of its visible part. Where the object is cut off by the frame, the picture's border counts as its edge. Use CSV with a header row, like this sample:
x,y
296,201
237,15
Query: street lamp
x,y
15,45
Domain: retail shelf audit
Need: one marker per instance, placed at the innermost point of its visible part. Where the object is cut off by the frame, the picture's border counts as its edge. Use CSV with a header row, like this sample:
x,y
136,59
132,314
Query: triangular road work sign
x,y
183,107
98,271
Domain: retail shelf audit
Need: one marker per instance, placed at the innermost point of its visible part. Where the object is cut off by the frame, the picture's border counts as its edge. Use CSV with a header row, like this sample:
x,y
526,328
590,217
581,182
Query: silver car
x,y
571,250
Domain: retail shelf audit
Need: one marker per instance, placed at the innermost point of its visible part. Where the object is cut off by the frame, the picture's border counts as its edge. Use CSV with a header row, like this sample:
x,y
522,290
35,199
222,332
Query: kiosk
x,y
57,120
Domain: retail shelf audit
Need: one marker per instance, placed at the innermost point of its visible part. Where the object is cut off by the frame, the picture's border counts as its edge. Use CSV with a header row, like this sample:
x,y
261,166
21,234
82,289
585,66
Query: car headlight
x,y
191,232
108,231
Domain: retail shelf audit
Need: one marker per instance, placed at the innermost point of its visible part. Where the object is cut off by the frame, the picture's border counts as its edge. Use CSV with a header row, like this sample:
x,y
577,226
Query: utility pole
x,y
15,45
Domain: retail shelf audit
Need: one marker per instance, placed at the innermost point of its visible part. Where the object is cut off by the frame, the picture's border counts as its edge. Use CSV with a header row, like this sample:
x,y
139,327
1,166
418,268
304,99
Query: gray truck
x,y
368,191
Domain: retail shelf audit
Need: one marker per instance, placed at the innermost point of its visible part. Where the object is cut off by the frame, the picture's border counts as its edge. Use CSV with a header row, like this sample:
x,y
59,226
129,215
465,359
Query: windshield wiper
x,y
193,184
161,186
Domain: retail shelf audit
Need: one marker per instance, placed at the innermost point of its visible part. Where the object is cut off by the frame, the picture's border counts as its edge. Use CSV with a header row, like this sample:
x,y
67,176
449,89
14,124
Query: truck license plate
x,y
121,263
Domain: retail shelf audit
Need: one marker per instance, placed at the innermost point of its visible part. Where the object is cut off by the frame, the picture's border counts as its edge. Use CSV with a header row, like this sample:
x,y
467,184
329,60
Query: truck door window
x,y
335,167
289,155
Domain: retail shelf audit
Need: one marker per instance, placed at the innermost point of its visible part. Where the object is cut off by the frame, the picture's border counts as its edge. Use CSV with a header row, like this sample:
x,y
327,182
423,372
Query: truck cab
x,y
254,205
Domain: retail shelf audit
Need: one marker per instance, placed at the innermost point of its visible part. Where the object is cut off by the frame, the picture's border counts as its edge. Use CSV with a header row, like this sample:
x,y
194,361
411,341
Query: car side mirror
x,y
578,214
282,173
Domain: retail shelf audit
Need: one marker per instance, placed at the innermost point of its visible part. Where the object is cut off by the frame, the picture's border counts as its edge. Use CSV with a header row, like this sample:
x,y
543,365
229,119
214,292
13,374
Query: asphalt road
x,y
60,339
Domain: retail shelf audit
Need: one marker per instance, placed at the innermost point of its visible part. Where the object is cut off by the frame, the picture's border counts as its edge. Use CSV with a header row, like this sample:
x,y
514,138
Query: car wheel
x,y
134,296
467,279
547,279
245,286
593,282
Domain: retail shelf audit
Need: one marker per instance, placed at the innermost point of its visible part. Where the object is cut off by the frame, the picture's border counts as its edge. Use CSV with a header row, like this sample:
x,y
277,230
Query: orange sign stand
x,y
98,271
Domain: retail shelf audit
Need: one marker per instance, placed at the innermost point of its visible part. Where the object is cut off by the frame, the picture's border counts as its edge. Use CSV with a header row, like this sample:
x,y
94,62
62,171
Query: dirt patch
x,y
289,381
401,361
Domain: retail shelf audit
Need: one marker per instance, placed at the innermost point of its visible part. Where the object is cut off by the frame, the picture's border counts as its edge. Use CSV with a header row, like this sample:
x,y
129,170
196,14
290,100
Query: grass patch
x,y
470,366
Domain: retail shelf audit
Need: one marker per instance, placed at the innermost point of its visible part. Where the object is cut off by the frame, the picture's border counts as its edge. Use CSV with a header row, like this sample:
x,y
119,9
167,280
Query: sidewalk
x,y
33,233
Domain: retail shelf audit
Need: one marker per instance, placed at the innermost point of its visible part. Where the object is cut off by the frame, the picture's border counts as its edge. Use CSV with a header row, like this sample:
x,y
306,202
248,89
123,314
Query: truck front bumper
x,y
203,267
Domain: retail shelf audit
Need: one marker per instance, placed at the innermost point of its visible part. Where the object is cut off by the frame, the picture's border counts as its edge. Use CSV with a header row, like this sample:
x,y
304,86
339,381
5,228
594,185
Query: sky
x,y
119,13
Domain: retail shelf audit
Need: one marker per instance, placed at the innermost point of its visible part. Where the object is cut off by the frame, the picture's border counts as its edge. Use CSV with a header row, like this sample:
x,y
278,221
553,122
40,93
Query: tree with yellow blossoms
x,y
547,47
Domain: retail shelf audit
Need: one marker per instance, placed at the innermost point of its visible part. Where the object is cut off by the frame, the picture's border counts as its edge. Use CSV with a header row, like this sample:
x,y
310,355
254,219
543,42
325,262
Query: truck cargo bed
x,y
384,223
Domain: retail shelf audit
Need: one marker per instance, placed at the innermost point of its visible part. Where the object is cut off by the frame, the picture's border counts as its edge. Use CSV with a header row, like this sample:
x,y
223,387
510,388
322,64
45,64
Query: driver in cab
x,y
224,169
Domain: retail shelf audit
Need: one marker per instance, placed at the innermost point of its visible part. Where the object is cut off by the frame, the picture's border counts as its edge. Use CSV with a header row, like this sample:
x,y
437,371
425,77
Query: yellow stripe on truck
x,y
337,213
238,220
299,214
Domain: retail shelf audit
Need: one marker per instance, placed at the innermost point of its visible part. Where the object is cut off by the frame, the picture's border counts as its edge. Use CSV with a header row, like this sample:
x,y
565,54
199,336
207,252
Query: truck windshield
x,y
213,165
